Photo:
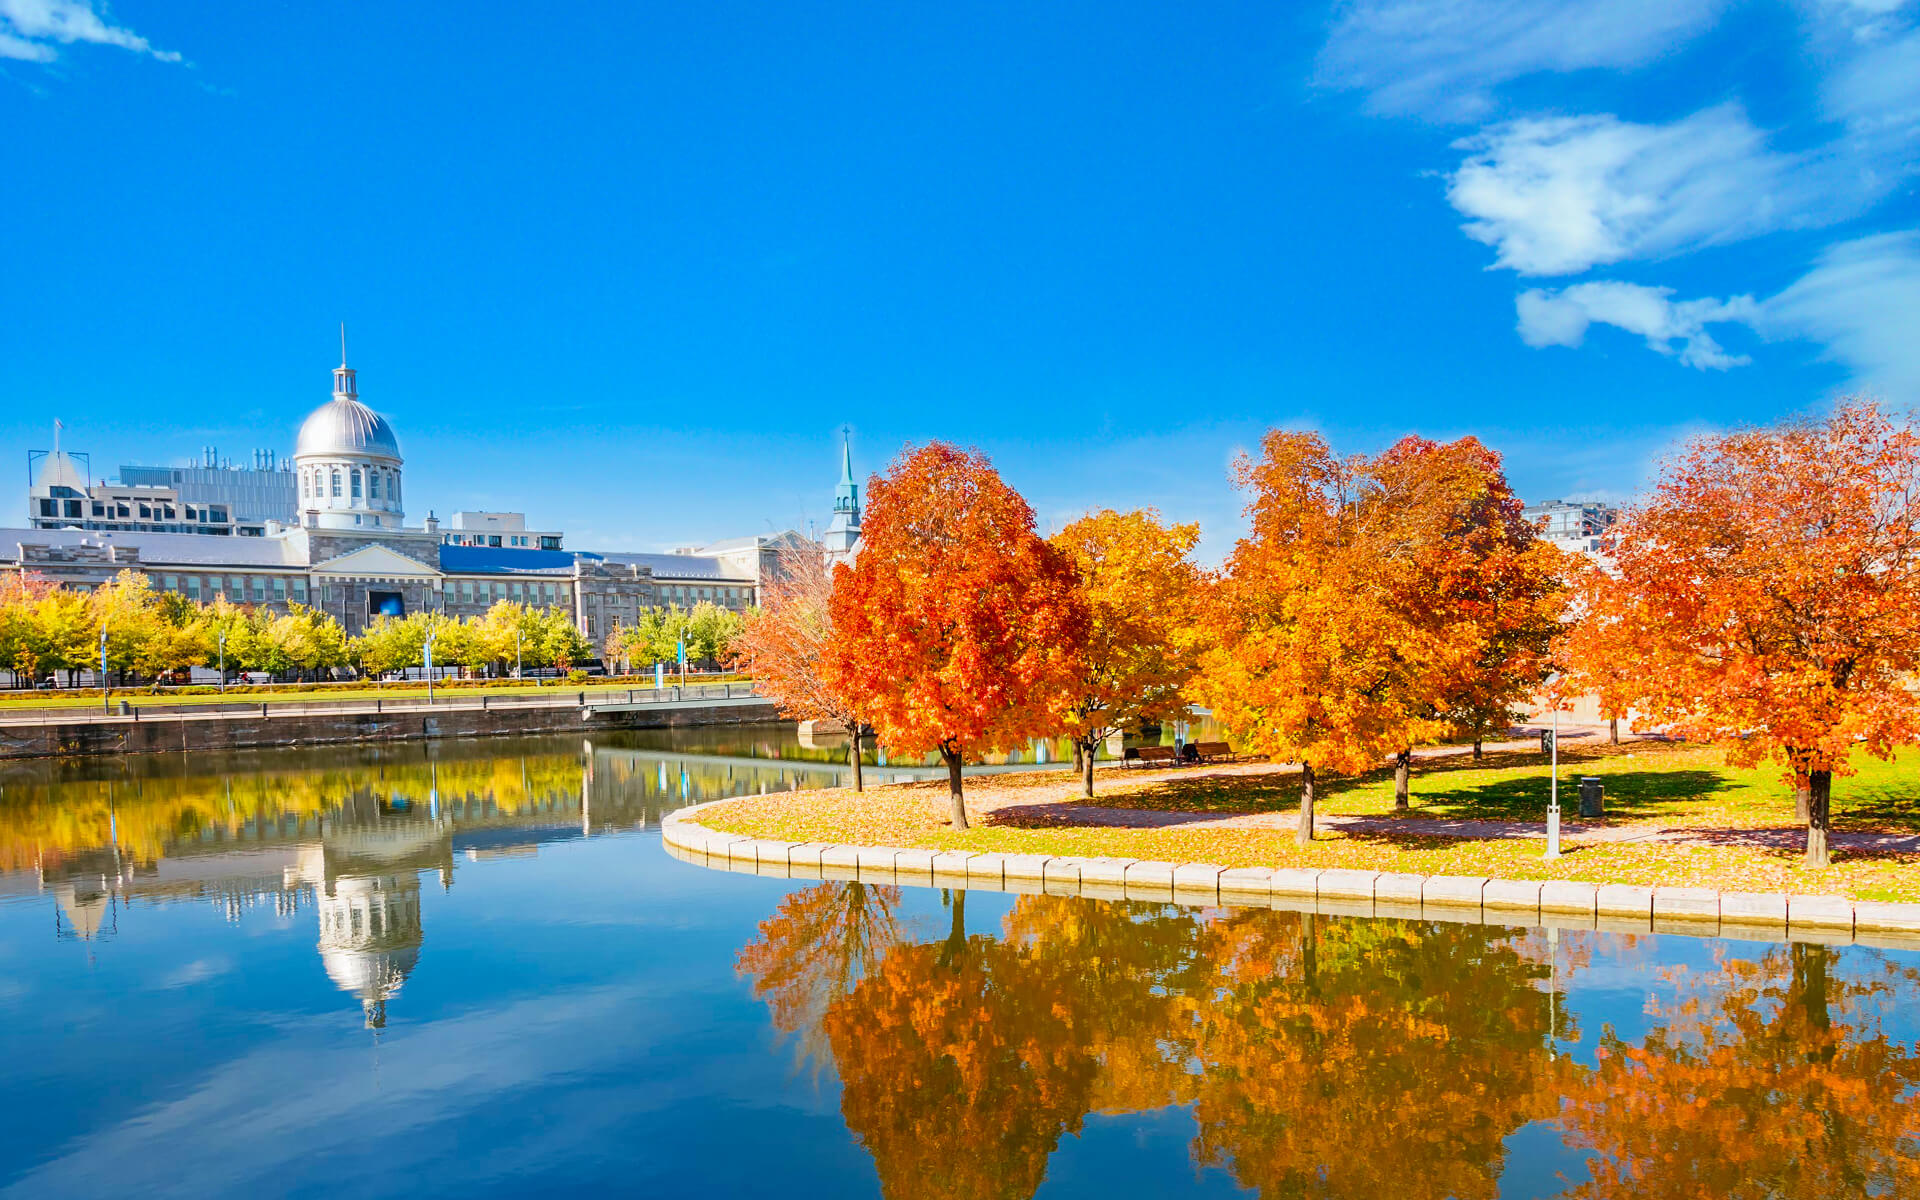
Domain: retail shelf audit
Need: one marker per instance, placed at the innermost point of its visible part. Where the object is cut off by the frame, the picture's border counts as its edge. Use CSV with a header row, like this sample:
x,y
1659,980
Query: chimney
x,y
431,524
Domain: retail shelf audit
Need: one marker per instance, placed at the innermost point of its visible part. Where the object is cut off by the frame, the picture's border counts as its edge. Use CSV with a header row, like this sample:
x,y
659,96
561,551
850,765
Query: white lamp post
x,y
1553,781
426,647
223,659
106,701
516,651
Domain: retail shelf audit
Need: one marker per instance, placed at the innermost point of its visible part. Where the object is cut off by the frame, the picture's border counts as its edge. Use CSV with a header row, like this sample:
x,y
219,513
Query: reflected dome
x,y
370,938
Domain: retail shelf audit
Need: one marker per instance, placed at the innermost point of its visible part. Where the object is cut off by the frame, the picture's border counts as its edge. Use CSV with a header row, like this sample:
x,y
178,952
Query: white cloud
x,y
1557,195
1441,58
1861,301
1561,318
30,28
1858,302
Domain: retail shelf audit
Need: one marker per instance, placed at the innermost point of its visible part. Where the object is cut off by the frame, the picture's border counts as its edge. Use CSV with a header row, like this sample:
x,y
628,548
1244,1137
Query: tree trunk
x,y
853,754
1819,817
1078,757
1802,797
1478,753
1402,770
1085,755
1613,730
952,758
1304,834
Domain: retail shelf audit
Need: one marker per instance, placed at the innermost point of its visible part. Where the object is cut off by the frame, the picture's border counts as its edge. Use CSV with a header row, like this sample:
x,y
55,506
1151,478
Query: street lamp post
x,y
1553,779
223,660
106,693
516,651
427,647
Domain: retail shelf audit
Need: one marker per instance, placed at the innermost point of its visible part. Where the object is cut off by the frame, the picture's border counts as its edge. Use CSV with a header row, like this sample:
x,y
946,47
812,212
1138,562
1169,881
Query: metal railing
x,y
559,698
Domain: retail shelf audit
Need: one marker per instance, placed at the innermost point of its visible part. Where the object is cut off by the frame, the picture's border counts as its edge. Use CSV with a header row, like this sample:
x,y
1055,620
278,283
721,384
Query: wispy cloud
x,y
1677,328
31,30
1860,301
1558,195
1442,58
1857,301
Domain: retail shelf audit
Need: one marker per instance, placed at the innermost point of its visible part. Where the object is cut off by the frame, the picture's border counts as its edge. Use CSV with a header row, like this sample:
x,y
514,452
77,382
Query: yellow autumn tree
x,y
1140,653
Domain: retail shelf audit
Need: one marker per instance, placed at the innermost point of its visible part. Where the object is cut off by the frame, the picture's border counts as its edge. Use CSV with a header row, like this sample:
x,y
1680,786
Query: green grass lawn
x,y
1648,784
286,693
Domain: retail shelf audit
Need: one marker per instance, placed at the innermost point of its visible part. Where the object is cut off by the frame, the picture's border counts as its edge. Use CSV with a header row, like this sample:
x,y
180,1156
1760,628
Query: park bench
x,y
1214,752
1159,754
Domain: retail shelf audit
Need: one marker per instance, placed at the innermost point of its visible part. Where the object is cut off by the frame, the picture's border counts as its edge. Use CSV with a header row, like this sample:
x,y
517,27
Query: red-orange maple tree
x,y
1774,587
957,628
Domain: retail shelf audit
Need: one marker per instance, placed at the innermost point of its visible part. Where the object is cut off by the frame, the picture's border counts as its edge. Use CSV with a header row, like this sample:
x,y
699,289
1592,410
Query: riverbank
x,y
257,726
1678,817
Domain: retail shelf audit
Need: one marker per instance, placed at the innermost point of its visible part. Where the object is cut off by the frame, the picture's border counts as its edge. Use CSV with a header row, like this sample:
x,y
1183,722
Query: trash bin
x,y
125,708
1591,801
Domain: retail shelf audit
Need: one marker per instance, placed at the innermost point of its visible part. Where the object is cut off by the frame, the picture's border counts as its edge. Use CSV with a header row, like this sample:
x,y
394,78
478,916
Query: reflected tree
x,y
1368,1058
812,952
1764,1077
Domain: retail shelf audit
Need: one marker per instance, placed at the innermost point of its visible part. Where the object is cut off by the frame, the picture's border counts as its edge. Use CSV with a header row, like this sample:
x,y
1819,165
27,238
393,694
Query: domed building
x,y
347,461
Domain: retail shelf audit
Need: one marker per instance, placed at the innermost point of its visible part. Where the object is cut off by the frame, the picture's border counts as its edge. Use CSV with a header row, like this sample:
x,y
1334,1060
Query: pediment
x,y
376,561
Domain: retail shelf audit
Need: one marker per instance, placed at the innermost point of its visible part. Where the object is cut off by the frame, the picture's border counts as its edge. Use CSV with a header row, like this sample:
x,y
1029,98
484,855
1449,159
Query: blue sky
x,y
630,267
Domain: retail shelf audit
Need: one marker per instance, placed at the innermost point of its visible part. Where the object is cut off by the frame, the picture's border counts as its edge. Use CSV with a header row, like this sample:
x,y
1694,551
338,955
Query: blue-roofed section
x,y
499,560
681,566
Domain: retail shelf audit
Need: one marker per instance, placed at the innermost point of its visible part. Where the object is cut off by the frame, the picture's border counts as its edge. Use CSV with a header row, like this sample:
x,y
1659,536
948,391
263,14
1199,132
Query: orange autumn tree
x,y
1323,652
1141,592
1773,579
958,629
785,642
1470,571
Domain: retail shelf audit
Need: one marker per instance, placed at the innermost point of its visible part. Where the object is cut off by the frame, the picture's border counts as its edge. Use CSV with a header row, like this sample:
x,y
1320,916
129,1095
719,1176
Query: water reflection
x,y
348,834
1330,1057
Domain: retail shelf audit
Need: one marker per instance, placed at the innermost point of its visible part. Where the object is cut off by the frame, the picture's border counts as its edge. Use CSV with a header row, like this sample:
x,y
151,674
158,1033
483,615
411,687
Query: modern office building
x,y
210,497
349,551
1576,525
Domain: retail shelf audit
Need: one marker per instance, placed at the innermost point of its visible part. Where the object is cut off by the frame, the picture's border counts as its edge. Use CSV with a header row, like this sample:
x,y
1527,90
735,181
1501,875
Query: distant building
x,y
210,497
249,497
341,543
504,529
1575,525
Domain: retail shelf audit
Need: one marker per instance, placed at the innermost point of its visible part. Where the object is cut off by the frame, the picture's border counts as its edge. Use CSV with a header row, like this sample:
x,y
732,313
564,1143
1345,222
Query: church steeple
x,y
844,530
846,497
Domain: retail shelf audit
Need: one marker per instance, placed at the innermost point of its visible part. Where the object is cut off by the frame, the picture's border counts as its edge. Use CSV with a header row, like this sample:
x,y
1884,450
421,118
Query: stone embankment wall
x,y
247,731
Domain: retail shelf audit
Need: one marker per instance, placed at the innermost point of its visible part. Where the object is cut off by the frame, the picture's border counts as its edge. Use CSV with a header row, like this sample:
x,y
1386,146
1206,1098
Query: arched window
x,y
336,483
356,483
373,485
306,486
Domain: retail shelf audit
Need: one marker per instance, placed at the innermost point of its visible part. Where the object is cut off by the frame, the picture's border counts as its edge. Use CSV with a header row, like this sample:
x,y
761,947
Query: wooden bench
x,y
1159,754
1214,752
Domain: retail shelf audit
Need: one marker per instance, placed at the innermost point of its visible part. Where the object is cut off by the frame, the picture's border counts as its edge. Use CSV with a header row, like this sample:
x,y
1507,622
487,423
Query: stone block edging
x,y
1563,904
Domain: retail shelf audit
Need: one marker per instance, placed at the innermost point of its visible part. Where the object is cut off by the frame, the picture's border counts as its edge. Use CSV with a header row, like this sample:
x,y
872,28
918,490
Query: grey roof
x,y
680,566
500,560
182,549
344,426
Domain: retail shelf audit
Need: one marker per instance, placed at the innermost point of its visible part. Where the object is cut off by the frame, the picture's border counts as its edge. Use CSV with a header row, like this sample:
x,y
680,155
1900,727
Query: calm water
x,y
471,970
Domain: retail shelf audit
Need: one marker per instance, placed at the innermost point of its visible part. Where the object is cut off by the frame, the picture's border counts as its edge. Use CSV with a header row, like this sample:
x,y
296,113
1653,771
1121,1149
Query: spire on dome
x,y
846,457
844,530
345,386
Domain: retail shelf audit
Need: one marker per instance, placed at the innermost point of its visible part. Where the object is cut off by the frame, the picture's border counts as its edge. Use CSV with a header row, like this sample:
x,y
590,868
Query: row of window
x,y
685,595
320,483
239,589
487,592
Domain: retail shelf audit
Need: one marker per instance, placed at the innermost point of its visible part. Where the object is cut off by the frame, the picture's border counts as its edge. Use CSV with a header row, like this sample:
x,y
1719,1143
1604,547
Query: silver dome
x,y
343,426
